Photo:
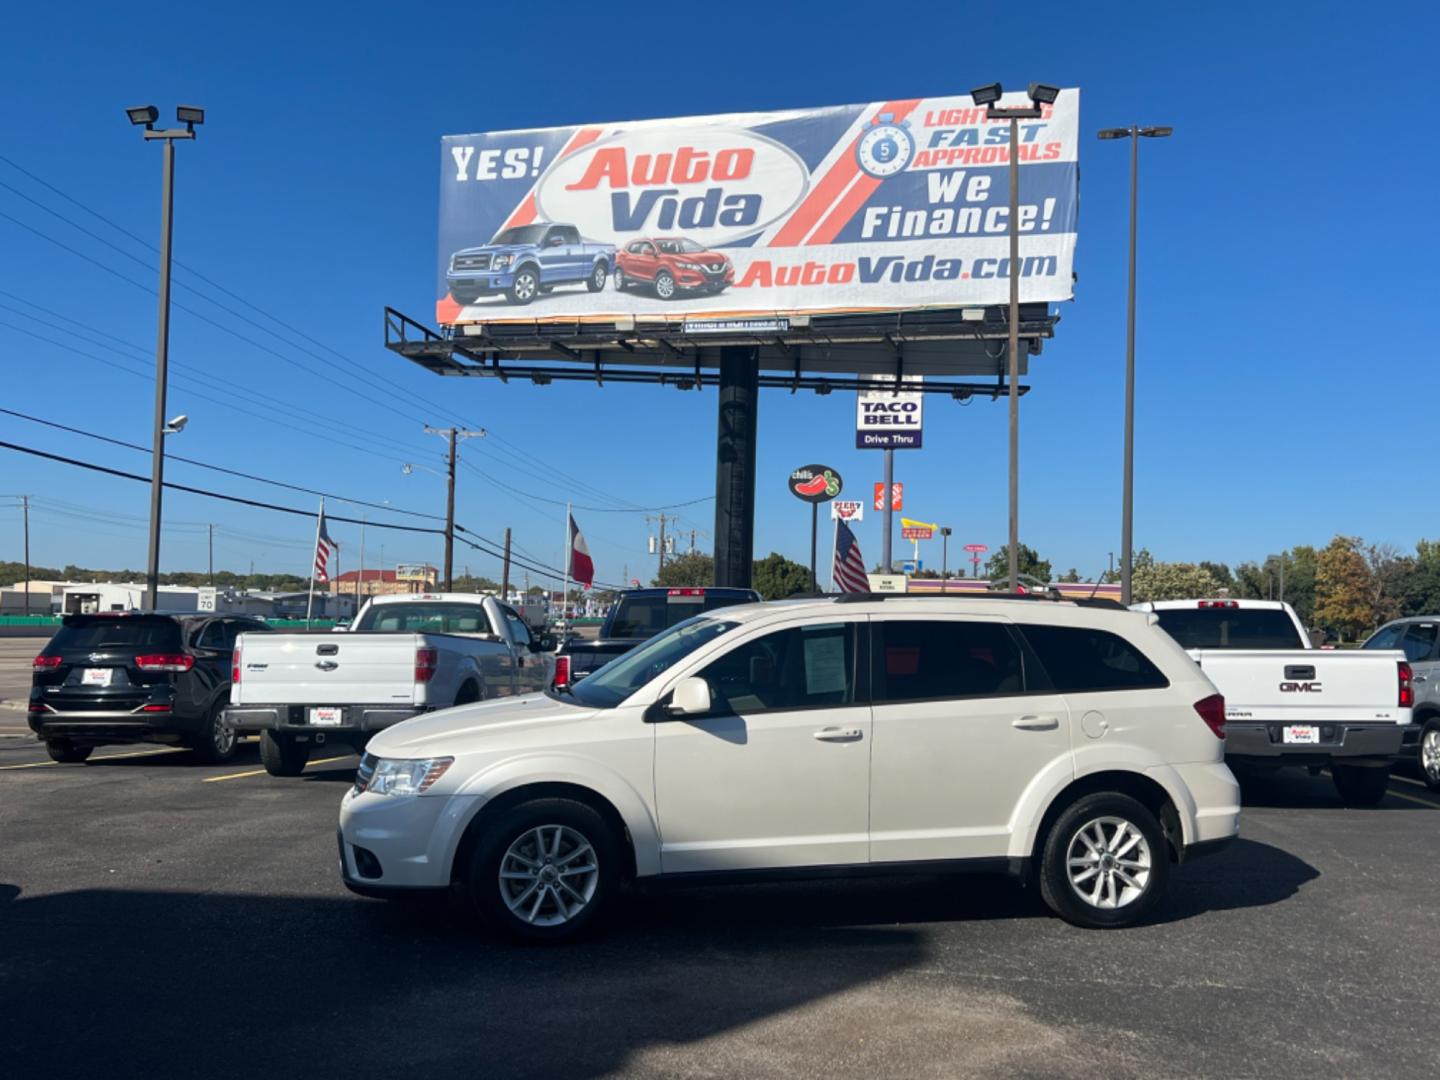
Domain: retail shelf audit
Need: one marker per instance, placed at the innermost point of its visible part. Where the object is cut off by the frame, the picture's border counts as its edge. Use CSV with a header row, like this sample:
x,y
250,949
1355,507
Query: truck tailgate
x,y
1312,685
326,669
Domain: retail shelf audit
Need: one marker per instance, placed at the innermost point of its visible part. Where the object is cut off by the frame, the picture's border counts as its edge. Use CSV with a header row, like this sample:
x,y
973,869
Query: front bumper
x,y
480,284
1263,742
354,719
408,842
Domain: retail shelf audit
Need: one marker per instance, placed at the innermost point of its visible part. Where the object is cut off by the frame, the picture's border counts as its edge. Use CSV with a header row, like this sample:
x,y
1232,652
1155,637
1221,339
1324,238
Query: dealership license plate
x,y
95,676
1300,733
327,716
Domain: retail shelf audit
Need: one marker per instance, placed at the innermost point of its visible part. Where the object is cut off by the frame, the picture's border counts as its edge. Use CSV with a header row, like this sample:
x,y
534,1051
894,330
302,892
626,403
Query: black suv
x,y
128,677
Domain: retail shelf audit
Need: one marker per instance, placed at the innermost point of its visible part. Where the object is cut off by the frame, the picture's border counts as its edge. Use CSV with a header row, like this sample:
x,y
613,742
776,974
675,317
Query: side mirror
x,y
544,643
691,698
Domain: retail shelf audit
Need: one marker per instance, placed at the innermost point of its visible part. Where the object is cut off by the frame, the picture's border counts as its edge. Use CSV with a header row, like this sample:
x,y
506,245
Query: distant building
x,y
407,579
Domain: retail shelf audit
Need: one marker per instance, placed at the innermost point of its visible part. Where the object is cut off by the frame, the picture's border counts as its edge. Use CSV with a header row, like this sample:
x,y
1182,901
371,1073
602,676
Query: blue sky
x,y
1285,273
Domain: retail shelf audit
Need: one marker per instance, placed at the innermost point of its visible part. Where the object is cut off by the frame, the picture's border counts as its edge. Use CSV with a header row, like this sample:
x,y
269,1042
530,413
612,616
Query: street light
x,y
1040,94
1127,511
146,116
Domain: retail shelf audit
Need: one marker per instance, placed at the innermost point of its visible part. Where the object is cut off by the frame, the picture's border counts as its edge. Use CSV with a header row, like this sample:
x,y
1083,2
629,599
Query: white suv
x,y
1067,742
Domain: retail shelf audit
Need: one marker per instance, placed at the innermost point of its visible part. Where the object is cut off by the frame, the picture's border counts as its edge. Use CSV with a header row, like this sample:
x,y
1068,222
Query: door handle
x,y
1036,723
839,734
1419,678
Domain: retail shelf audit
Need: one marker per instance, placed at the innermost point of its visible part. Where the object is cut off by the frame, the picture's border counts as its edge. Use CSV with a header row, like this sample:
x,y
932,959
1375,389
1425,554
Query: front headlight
x,y
688,265
404,776
502,260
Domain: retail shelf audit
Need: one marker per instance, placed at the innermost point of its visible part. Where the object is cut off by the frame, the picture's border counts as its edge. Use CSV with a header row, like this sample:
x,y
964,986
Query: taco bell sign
x,y
889,420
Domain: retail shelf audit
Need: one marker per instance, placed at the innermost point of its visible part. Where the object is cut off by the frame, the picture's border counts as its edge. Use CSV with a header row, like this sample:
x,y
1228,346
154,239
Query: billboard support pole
x,y
1013,354
885,550
739,386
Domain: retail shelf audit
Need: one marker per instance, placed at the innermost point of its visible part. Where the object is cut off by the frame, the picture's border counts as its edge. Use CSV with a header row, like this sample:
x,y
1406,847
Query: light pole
x,y
945,532
988,96
1127,512
146,115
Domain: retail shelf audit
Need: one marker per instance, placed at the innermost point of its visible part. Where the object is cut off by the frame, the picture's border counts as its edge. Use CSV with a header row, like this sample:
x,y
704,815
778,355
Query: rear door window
x,y
117,635
1081,660
918,660
1419,641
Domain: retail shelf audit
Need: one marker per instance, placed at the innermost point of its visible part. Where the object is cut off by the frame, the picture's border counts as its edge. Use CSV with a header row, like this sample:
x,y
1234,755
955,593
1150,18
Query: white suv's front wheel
x,y
545,870
1105,862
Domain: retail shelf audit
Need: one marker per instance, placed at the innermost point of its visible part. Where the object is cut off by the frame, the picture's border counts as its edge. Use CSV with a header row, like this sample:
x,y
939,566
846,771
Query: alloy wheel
x,y
665,286
222,736
548,875
1108,863
525,286
1430,754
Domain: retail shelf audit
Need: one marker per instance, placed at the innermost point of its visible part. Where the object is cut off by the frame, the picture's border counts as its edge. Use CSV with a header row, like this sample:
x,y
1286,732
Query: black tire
x,y
512,827
468,694
665,285
66,752
599,275
1360,786
1429,766
1066,899
215,743
283,755
525,286
619,279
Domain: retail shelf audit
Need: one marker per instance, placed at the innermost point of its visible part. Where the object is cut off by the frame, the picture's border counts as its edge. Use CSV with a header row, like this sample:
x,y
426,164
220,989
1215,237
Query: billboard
x,y
886,206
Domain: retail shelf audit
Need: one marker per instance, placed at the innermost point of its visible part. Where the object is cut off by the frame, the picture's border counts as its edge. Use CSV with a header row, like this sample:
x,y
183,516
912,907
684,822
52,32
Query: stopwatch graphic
x,y
886,147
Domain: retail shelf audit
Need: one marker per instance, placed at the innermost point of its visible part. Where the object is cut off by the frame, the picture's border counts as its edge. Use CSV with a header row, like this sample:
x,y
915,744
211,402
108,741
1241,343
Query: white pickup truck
x,y
1287,703
404,655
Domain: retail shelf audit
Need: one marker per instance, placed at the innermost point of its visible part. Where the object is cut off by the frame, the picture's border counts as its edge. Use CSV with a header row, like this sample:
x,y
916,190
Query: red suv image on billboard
x,y
670,265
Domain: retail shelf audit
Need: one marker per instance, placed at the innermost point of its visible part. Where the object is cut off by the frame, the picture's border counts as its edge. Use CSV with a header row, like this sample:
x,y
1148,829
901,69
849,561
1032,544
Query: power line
x,y
577,506
220,468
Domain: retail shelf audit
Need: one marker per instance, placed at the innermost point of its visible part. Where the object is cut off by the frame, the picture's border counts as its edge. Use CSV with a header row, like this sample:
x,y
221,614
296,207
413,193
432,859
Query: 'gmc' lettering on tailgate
x,y
1300,688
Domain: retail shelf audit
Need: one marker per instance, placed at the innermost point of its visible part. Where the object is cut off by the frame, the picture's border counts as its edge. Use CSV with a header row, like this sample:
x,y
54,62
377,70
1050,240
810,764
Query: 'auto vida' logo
x,y
711,185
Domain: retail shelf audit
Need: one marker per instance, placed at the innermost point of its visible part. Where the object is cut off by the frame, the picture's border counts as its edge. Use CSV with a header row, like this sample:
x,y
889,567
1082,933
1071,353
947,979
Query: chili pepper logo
x,y
815,483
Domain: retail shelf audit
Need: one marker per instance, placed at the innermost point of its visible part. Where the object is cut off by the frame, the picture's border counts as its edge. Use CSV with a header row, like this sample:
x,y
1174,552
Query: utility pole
x,y
945,531
212,555
360,583
886,564
452,436
25,510
505,573
662,543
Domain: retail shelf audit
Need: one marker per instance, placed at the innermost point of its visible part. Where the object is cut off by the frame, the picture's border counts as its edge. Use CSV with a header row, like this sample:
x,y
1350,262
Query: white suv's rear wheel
x,y
544,870
1105,862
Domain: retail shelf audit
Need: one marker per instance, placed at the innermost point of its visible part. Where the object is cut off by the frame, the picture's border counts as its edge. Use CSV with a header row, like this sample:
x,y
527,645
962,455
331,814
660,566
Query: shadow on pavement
x,y
1296,789
1245,874
218,985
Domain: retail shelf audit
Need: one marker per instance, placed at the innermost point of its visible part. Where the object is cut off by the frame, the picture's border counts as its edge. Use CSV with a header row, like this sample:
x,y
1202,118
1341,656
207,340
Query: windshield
x,y
422,617
678,247
621,677
1231,628
521,234
646,616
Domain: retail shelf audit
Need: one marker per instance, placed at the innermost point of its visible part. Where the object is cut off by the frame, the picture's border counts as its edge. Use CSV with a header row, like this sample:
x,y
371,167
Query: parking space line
x,y
1411,798
261,772
1407,780
103,757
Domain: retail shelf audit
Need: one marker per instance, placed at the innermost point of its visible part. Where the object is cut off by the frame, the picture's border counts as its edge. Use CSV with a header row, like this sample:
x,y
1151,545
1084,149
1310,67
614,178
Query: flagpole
x,y
310,602
834,549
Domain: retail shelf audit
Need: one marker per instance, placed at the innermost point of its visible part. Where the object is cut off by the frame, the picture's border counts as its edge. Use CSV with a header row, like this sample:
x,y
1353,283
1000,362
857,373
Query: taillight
x,y
46,663
235,665
426,660
1212,711
165,662
1407,686
155,708
686,592
562,672
1219,603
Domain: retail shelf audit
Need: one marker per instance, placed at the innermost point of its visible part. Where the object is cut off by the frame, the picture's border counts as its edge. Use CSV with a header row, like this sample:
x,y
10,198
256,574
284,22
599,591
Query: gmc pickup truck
x,y
403,656
1287,703
638,615
526,260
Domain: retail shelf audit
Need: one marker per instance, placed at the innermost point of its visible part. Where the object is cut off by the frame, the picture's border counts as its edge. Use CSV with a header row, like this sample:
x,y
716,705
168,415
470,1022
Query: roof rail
x,y
1052,597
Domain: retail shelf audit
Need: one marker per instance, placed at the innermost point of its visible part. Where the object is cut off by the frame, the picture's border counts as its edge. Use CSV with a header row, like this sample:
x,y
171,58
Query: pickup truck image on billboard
x,y
670,265
887,206
525,261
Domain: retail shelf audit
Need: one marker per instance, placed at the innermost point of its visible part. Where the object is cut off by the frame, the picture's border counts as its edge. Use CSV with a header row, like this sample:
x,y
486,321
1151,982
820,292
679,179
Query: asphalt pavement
x,y
162,918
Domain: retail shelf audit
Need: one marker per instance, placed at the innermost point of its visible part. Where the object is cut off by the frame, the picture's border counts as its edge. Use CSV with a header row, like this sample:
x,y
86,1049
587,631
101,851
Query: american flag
x,y
324,548
849,570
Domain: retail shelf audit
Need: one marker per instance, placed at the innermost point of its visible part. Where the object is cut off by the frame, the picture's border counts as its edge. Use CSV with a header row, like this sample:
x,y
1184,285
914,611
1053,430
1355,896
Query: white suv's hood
x,y
470,727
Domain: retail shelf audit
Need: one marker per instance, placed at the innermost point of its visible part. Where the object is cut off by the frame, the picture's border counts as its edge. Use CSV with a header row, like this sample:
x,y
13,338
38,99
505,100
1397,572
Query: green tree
x,y
1152,580
1419,588
1031,565
776,577
1070,577
692,570
1343,588
1389,570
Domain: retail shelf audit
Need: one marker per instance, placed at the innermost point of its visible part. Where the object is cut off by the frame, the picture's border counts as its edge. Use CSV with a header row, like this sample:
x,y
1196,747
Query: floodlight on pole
x,y
1041,94
1127,498
176,425
147,115
986,95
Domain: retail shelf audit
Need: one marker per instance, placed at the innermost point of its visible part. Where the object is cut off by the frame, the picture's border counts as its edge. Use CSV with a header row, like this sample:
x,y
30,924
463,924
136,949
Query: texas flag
x,y
582,567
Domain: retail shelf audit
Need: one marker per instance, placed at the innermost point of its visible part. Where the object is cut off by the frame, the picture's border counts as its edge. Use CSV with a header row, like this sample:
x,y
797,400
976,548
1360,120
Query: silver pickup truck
x,y
404,655
1287,703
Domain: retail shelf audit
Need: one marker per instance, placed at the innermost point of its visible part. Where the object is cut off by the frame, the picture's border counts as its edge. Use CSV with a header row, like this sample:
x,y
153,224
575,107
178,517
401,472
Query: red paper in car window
x,y
901,661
